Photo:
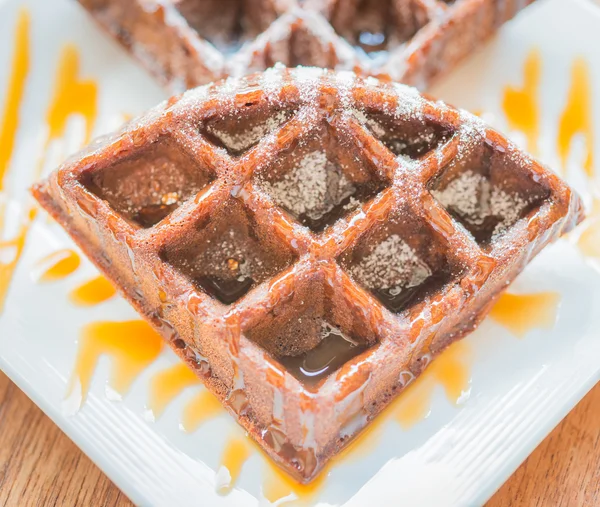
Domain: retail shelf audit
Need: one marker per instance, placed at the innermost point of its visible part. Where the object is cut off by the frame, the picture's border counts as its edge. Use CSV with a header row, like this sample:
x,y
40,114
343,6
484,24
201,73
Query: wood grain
x,y
39,465
565,469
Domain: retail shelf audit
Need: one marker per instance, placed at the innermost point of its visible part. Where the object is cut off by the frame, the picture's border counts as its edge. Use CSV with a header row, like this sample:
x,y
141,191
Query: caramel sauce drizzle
x,y
71,96
278,484
237,451
199,409
166,385
132,346
93,292
12,249
451,370
520,313
16,91
576,117
57,265
521,106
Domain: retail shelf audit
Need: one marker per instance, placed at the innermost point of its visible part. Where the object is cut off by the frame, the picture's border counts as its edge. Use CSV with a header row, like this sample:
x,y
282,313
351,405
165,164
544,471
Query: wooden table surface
x,y
39,465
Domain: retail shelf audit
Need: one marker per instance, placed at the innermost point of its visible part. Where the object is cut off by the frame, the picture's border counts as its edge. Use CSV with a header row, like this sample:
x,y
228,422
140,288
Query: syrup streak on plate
x,y
132,345
577,116
278,484
235,454
521,109
56,266
520,313
10,251
451,369
16,90
521,104
71,96
200,408
167,384
93,292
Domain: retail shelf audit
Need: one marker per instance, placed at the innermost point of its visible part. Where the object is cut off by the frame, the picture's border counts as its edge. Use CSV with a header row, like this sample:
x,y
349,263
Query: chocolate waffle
x,y
308,240
186,43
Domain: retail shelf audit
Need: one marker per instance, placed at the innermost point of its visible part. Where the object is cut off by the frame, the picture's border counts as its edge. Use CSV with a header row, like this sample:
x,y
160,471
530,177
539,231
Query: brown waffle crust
x,y
186,43
308,240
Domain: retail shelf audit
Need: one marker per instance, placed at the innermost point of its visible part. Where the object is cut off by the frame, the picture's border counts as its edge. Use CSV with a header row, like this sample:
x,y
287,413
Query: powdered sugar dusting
x,y
410,102
392,265
193,99
467,195
345,81
242,140
372,125
312,188
471,134
308,80
372,82
227,91
472,197
271,82
508,206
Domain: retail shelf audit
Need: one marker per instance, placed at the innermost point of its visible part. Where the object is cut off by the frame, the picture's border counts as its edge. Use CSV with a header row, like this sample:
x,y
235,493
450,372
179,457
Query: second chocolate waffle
x,y
185,43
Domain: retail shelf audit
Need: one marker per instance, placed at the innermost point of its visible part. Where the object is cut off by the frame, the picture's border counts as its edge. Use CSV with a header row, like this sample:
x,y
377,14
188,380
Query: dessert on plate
x,y
308,240
185,43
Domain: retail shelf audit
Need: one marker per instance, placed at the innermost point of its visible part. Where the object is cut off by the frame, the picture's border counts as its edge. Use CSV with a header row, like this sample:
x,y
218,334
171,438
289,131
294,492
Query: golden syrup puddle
x,y
589,240
577,117
131,345
520,313
520,105
12,249
57,265
93,292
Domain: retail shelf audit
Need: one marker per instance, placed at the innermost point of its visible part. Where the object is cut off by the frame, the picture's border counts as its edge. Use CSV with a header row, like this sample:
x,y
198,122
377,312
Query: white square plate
x,y
459,453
